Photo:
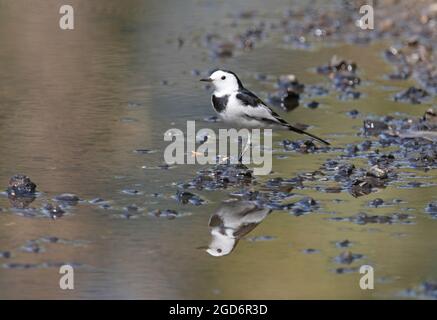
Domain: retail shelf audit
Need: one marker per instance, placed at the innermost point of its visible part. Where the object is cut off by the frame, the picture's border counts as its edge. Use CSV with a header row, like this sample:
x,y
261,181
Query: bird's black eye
x,y
223,77
220,250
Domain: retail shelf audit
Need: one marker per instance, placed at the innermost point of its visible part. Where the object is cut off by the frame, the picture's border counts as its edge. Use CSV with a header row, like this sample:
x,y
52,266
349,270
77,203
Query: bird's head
x,y
221,244
224,81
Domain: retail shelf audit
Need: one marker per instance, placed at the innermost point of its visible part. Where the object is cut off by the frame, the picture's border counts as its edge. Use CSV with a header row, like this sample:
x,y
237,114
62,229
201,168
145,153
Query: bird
x,y
238,106
230,222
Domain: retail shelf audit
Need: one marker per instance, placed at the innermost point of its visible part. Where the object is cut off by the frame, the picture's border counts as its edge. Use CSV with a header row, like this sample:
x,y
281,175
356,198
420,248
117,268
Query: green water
x,y
74,107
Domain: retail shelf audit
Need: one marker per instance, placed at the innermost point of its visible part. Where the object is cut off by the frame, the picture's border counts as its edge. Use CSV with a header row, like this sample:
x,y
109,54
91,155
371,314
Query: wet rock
x,y
132,104
337,65
280,184
185,197
297,42
130,212
222,50
261,76
310,251
431,208
353,113
20,266
412,184
261,238
336,189
5,254
341,170
411,95
383,160
132,208
403,72
427,290
132,192
211,119
68,199
350,95
347,257
50,239
374,127
26,212
303,206
360,188
394,55
54,211
316,90
221,176
346,270
426,76
343,77
345,81
288,100
144,151
363,218
307,146
290,83
378,172
288,95
365,146
343,244
58,264
376,203
97,201
312,104
21,185
168,213
351,150
32,247
245,14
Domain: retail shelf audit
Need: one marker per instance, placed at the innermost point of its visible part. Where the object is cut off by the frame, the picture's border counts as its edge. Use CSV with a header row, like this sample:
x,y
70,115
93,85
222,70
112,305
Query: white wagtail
x,y
239,107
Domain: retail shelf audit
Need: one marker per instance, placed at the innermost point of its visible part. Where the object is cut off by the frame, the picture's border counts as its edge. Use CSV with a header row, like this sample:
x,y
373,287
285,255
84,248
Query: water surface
x,y
75,105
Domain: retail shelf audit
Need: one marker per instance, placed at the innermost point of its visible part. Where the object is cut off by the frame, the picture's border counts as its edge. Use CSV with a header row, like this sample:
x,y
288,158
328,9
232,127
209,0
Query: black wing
x,y
250,99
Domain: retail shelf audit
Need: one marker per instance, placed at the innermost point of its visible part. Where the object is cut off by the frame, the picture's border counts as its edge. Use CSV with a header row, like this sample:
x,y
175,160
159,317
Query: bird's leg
x,y
247,146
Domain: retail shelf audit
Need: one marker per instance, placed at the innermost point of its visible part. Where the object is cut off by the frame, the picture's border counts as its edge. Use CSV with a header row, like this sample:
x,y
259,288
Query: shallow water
x,y
75,105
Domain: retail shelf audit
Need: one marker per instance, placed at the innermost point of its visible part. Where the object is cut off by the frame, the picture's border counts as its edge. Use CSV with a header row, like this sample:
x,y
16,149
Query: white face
x,y
221,244
224,81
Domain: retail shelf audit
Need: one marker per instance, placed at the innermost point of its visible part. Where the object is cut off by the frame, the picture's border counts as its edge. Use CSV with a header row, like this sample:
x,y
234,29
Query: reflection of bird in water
x,y
232,221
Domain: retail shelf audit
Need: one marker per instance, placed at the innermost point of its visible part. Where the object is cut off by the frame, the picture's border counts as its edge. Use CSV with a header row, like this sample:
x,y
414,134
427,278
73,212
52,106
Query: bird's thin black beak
x,y
206,80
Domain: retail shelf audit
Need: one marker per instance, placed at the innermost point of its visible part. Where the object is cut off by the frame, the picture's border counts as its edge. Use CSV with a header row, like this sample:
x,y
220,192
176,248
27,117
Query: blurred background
x,y
84,112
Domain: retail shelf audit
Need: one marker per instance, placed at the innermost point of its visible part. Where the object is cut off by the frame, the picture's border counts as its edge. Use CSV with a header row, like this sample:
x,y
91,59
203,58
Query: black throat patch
x,y
219,103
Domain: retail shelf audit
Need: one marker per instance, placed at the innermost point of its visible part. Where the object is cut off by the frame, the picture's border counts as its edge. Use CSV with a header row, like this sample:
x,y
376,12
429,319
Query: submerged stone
x,y
54,211
347,257
185,197
168,213
69,199
411,95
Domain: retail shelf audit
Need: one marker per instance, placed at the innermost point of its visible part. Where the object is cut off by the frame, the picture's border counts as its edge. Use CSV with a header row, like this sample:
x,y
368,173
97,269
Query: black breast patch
x,y
219,103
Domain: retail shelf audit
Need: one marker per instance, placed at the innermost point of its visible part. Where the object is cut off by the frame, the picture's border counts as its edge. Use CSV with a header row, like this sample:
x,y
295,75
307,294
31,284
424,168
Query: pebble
x,y
68,199
21,185
347,257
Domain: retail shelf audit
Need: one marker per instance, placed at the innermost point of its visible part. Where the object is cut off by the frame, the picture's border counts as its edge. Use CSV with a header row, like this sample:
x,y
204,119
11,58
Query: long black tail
x,y
291,128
